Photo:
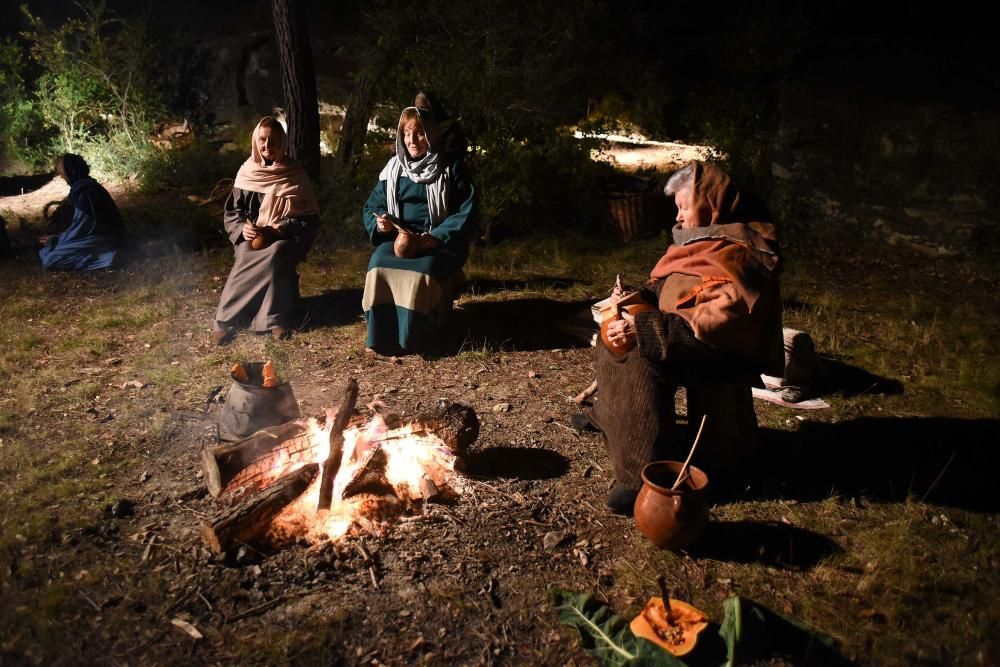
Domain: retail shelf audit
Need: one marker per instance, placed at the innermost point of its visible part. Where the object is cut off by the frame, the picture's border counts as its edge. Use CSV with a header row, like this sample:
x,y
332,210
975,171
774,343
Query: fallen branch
x,y
586,393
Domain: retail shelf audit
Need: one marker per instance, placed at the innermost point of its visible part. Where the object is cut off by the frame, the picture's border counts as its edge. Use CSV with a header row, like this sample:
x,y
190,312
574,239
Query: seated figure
x,y
716,327
419,218
96,233
271,217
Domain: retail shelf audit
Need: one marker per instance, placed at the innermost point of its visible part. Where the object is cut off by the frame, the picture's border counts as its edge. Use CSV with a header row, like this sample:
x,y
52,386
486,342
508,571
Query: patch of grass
x,y
89,344
87,391
42,477
23,310
28,342
471,353
168,376
125,316
316,642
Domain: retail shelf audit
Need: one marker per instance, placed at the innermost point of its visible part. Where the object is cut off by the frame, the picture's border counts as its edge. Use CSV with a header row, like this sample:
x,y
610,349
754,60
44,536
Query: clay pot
x,y
613,314
406,245
671,519
263,239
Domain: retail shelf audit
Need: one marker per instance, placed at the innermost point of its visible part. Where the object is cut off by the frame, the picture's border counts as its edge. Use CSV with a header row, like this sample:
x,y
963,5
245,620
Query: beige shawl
x,y
285,185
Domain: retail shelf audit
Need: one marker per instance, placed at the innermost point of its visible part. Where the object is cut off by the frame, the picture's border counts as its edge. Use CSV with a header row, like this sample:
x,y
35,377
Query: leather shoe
x,y
621,500
223,337
581,422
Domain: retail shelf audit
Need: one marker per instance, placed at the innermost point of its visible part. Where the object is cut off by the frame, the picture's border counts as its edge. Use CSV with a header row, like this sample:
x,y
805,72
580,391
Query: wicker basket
x,y
632,214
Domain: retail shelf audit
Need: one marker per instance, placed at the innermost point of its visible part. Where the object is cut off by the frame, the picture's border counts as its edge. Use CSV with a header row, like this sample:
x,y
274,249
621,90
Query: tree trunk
x,y
298,81
360,106
355,127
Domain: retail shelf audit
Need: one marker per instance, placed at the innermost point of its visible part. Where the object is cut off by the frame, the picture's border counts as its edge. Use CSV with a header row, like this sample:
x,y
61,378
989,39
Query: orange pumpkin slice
x,y
239,373
270,378
676,634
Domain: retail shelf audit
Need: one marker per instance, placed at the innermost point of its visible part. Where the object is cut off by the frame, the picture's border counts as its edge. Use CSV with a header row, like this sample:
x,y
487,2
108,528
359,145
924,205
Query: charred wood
x,y
249,520
222,465
332,463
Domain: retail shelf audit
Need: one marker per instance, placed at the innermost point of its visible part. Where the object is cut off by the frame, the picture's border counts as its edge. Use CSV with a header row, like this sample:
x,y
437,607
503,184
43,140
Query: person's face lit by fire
x,y
270,144
414,139
684,199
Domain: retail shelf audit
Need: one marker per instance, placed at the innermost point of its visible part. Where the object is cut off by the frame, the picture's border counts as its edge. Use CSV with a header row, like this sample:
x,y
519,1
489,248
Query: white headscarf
x,y
427,169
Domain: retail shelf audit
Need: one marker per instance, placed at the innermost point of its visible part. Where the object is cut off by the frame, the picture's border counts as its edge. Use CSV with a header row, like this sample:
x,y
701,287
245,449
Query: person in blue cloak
x,y
94,238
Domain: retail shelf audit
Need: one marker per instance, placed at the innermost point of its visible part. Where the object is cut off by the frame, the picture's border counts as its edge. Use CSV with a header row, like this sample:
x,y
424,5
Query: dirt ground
x,y
874,521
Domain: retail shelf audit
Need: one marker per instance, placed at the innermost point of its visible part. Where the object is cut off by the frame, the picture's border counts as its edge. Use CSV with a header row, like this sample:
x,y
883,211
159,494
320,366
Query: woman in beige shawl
x,y
718,325
271,217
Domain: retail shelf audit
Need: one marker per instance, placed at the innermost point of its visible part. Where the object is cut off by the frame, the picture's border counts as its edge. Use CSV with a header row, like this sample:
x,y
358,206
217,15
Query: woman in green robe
x,y
419,218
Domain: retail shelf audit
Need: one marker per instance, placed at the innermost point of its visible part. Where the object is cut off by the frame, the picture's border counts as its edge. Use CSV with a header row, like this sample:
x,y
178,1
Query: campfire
x,y
323,479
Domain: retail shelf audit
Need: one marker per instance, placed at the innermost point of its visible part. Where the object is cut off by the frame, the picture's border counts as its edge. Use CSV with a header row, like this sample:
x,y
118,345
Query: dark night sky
x,y
910,51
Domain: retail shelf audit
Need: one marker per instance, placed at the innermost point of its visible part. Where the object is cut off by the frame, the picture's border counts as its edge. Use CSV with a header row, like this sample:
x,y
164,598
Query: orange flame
x,y
410,458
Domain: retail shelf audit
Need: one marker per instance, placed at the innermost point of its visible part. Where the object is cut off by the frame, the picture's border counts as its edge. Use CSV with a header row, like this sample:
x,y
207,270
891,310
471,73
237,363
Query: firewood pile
x,y
321,479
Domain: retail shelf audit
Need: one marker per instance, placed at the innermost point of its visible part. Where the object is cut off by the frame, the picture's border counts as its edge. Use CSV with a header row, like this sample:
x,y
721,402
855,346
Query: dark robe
x,y
405,299
263,286
95,235
716,328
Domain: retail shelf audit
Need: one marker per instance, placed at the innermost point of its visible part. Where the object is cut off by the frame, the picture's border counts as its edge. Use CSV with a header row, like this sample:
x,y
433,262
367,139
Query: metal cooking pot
x,y
250,407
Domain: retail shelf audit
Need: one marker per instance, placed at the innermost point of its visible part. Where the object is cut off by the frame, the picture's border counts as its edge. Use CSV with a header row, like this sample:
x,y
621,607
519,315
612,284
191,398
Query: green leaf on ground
x,y
606,635
752,632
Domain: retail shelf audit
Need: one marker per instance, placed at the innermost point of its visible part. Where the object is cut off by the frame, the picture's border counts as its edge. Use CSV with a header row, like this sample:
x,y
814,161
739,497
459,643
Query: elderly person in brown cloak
x,y
271,217
717,326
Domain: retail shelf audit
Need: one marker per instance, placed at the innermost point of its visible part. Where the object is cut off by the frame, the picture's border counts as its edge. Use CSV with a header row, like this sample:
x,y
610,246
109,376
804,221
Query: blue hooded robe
x,y
94,237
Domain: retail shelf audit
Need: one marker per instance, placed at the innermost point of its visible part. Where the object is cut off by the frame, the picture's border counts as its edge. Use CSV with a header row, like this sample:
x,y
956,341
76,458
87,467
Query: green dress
x,y
405,300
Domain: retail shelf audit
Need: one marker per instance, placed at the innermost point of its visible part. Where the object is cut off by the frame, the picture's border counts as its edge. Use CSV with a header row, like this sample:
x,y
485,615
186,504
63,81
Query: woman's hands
x,y
409,245
249,231
261,237
427,242
423,241
621,332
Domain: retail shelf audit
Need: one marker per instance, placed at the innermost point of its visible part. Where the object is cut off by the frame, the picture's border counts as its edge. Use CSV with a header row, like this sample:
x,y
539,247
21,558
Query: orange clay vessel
x,y
614,313
263,238
239,373
676,632
270,378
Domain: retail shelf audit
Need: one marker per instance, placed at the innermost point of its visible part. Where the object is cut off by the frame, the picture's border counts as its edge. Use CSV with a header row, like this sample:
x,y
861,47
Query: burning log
x,y
455,424
273,481
332,463
451,425
249,520
223,464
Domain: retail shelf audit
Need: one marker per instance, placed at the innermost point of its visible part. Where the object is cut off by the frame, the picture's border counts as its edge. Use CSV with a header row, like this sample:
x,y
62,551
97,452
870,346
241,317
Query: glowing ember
x,y
382,471
269,484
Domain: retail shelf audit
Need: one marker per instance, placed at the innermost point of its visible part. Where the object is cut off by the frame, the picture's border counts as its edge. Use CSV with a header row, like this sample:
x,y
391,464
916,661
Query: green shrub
x,y
18,113
199,165
97,91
